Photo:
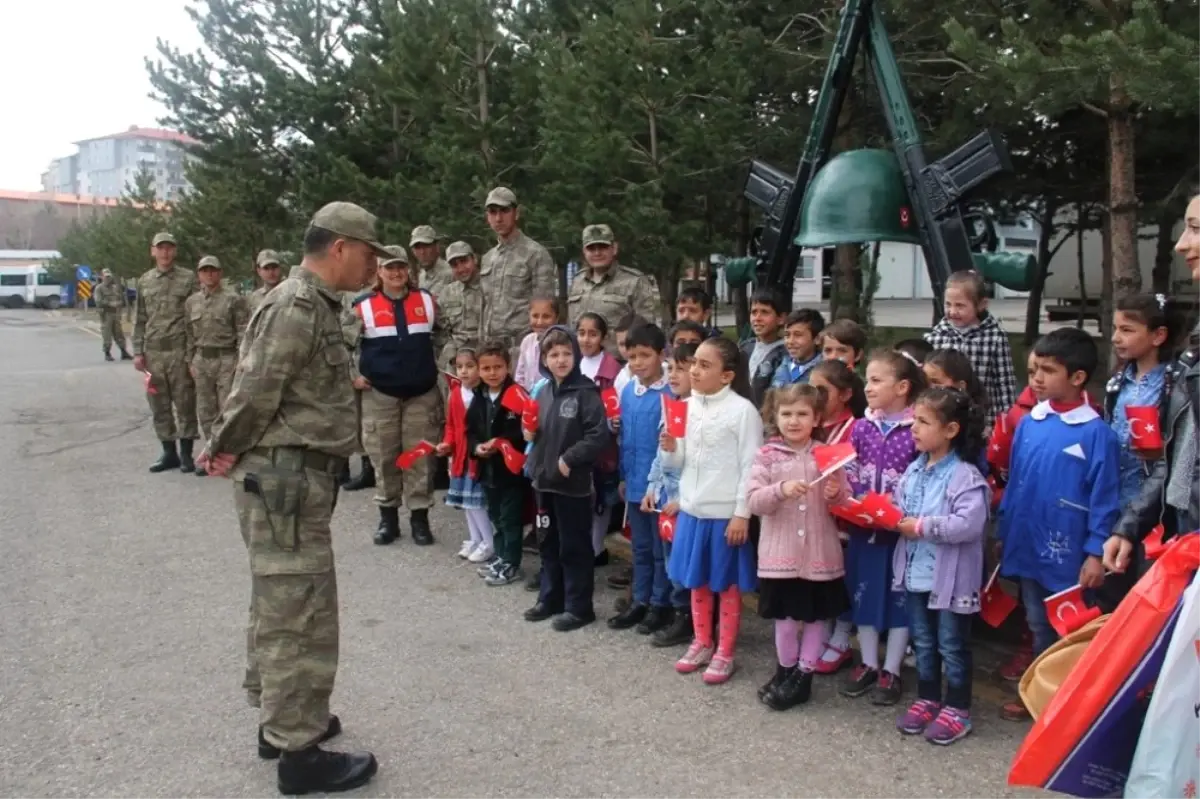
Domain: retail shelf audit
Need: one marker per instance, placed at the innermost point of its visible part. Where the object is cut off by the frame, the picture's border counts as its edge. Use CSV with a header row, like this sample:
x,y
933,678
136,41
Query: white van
x,y
29,285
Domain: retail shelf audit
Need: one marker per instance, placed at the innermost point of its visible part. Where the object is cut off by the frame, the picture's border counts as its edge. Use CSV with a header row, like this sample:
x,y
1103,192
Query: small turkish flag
x,y
1067,611
830,457
514,459
409,458
148,382
995,604
885,515
529,416
675,415
452,381
1153,543
1145,433
852,511
515,399
666,527
612,403
1000,446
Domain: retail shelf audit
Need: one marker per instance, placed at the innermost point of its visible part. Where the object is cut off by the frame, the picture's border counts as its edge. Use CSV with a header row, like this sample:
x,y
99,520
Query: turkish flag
x,y
1145,433
1153,543
148,382
451,380
409,458
666,527
612,403
999,451
515,399
832,456
885,515
529,416
675,414
1067,611
995,604
514,459
852,511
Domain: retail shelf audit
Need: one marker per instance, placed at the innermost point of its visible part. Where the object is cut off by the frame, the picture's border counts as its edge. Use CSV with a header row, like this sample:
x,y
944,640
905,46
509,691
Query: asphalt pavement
x,y
121,645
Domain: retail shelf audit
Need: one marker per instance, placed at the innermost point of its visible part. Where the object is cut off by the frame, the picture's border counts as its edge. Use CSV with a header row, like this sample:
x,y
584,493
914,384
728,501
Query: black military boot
x,y
168,460
108,356
186,464
125,356
677,633
365,479
418,522
796,689
389,526
313,770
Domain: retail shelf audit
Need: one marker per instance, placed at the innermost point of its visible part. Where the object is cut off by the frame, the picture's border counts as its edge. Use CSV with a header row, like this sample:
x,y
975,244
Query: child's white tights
x,y
600,523
480,527
897,644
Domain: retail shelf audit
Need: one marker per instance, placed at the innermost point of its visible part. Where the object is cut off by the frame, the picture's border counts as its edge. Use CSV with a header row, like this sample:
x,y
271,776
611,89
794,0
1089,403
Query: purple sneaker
x,y
919,716
949,726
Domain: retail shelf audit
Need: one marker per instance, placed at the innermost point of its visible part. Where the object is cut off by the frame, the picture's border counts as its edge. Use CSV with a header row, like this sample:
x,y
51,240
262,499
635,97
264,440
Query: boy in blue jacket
x,y
1062,497
641,411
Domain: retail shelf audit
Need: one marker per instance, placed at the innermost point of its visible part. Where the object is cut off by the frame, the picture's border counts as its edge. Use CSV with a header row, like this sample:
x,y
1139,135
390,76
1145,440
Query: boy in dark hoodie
x,y
572,433
490,422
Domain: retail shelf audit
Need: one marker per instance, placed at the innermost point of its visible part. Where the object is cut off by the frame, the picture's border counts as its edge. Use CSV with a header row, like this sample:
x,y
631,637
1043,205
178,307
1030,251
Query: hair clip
x,y
911,359
1161,299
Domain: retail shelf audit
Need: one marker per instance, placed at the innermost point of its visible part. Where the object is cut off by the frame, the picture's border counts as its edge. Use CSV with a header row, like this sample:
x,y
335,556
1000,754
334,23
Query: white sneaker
x,y
482,554
467,548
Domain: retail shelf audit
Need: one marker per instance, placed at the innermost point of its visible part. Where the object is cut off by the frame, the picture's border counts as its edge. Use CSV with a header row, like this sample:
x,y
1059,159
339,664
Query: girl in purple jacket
x,y
939,561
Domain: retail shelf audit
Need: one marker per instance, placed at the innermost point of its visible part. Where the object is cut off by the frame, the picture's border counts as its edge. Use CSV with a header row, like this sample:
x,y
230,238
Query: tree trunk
x,y
844,298
481,69
1164,249
1107,290
1081,266
739,298
1033,311
1122,197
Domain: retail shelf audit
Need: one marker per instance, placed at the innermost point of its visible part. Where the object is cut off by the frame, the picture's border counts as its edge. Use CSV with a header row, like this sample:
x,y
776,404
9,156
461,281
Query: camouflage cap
x,y
501,196
597,234
351,221
209,262
162,237
459,249
395,255
423,234
268,257
105,273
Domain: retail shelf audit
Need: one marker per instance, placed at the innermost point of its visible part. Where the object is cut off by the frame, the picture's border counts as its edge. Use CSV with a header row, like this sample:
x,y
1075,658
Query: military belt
x,y
299,459
215,352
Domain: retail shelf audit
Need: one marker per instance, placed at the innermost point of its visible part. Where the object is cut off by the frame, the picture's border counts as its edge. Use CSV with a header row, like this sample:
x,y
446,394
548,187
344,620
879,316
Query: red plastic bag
x,y
1083,742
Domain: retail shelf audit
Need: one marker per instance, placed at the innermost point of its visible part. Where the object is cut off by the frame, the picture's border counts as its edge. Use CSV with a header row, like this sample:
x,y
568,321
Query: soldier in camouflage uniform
x,y
515,271
110,300
284,432
432,272
269,267
462,305
216,317
160,347
608,288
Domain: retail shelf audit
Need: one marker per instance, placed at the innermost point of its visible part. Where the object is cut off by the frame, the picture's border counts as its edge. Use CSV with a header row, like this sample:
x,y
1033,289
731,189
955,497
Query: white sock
x,y
600,529
839,639
868,642
481,527
897,644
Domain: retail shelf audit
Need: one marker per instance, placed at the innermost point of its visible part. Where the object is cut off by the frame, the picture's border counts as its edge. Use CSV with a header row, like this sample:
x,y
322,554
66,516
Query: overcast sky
x,y
73,69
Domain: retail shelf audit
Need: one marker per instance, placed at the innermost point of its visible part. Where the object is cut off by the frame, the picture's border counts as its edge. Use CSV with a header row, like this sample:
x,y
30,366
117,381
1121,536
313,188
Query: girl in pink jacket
x,y
800,564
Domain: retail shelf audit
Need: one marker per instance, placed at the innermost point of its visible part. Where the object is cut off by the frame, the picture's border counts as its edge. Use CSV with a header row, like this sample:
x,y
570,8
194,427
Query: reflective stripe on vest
x,y
378,314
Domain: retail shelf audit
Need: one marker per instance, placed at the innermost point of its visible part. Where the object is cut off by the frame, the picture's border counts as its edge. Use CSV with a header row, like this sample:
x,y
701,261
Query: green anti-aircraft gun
x,y
876,195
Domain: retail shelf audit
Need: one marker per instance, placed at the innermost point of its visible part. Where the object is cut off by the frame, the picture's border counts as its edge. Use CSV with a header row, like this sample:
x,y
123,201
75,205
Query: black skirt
x,y
802,600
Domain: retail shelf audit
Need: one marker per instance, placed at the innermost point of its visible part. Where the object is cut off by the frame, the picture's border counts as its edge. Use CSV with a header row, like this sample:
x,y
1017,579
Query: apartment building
x,y
106,165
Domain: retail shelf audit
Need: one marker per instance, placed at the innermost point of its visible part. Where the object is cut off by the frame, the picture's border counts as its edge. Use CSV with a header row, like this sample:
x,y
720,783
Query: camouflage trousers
x,y
111,330
391,426
175,397
213,378
292,634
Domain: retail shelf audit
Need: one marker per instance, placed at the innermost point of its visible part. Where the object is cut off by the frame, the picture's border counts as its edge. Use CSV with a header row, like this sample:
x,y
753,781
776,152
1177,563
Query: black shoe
x,y
629,617
314,770
268,751
781,673
418,522
601,559
677,633
540,612
861,680
125,356
186,464
168,460
887,690
389,526
565,622
621,579
365,479
108,356
796,689
656,619
534,582
200,472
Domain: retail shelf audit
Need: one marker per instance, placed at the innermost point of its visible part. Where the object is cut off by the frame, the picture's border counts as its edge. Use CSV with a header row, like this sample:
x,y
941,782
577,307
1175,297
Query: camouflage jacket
x,y
436,279
351,328
255,299
215,319
109,296
618,292
292,385
160,319
513,273
462,306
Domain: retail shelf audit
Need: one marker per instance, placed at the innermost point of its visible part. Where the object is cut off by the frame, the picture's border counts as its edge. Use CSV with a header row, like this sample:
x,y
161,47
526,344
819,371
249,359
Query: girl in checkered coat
x,y
970,329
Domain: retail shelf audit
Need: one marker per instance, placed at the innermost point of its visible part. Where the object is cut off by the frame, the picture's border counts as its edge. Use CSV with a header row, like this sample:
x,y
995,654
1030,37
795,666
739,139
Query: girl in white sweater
x,y
712,554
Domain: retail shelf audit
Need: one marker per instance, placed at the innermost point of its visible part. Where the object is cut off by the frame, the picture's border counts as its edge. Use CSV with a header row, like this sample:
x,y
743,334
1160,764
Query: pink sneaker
x,y
719,671
697,657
